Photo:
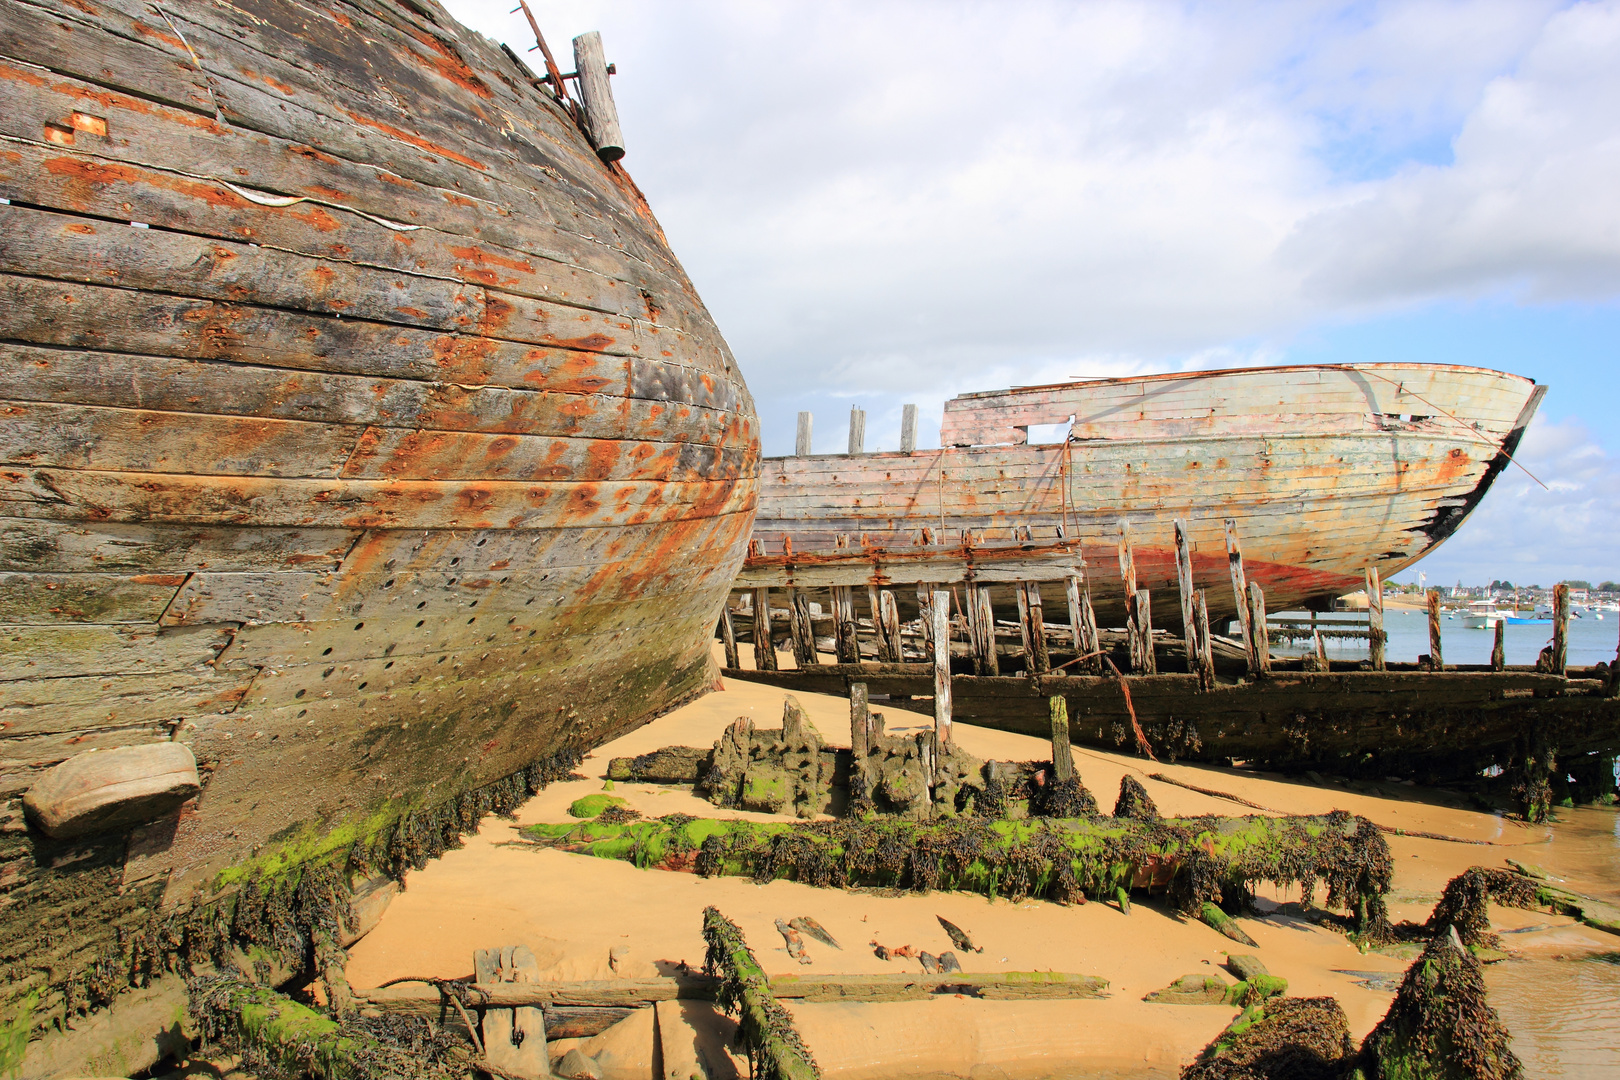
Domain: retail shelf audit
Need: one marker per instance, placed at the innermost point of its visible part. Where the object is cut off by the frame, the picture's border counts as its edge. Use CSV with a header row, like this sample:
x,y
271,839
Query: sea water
x,y
1590,639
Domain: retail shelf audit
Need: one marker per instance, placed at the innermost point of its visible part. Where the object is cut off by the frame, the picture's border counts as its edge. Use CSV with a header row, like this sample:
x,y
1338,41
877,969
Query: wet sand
x,y
573,910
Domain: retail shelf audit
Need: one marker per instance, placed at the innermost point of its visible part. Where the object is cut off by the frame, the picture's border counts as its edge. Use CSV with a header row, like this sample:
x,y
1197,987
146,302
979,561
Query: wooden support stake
x,y
1435,657
1071,592
1375,618
942,667
908,429
764,649
1062,752
860,727
889,622
1127,558
882,640
925,621
1184,578
1321,651
986,661
1090,636
1041,659
801,447
804,630
1022,596
1257,629
857,430
1499,649
1206,650
1143,616
1560,642
728,635
845,643
1240,595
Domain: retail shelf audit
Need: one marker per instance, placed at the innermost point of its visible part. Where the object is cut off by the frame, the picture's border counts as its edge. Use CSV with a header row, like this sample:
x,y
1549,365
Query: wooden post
x,y
908,429
857,430
1184,578
801,447
1143,614
1321,651
1375,618
1560,642
600,114
889,622
728,635
1062,752
1434,631
1127,577
1020,595
925,621
942,667
1071,592
804,630
764,649
1257,629
1614,673
1240,595
1090,638
845,643
988,663
1499,650
1206,651
860,728
874,606
1041,658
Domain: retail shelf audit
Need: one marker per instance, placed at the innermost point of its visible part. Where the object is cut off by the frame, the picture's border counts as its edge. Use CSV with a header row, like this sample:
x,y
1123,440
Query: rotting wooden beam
x,y
1184,580
1436,659
802,627
764,648
1127,577
1240,593
1257,629
942,666
985,659
1560,641
845,643
889,610
1040,659
1375,618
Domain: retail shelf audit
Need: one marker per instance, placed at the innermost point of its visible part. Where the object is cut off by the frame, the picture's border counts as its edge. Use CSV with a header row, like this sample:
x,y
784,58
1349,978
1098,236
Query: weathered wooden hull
x,y
1326,471
359,428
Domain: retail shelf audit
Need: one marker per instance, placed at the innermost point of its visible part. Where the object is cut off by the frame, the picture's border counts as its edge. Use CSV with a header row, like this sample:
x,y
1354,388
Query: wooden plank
x,y
1375,618
1257,627
54,547
54,652
54,599
1240,593
801,445
91,702
1187,586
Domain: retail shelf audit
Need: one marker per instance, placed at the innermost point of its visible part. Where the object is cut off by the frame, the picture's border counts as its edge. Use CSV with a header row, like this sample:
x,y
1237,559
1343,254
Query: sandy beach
x,y
575,912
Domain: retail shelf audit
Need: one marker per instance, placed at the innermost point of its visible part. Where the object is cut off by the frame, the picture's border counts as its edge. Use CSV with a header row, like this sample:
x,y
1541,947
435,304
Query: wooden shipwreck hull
x,y
1326,470
359,428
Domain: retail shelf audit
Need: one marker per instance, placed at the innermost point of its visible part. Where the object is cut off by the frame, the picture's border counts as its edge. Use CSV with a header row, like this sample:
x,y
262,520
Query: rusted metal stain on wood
x,y
359,427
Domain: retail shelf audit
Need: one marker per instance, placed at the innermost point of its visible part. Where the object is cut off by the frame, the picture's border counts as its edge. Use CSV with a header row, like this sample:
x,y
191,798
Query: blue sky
x,y
889,202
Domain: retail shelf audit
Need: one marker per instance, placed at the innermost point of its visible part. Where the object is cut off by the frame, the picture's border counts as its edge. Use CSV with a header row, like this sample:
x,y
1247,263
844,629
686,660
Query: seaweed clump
x,y
1134,802
1440,1027
1465,903
1280,1039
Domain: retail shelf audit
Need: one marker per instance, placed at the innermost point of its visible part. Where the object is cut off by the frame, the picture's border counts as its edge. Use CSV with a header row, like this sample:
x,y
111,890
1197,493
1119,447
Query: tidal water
x,y
1590,639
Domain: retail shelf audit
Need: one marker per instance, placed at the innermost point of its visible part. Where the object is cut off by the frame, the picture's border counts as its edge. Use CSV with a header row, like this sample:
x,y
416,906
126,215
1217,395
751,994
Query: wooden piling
x,y
1240,594
1257,630
845,643
1022,598
1127,558
1142,620
764,650
1062,751
908,429
1040,659
889,622
1560,641
1206,650
880,638
1375,618
942,667
1184,579
860,726
984,650
803,629
801,447
925,621
857,430
1435,656
728,636
1499,650
1321,651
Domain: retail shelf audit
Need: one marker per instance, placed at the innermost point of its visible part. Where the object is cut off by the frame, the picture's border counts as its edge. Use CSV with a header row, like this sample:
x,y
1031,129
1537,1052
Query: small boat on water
x,y
1483,615
1324,471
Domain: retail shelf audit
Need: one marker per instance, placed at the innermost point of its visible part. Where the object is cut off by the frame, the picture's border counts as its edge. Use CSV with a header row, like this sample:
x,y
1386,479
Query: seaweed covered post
x,y
1440,1027
1465,904
775,1051
1280,1037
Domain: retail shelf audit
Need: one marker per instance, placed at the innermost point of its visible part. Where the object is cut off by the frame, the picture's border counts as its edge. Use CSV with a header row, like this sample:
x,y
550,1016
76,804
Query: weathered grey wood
x,y
889,624
1560,640
1127,558
601,116
53,599
1206,651
1090,637
1035,618
1257,629
1184,580
1436,658
942,666
908,429
1499,647
801,445
925,622
1146,662
1375,618
764,645
1021,597
985,660
857,430
1062,752
1240,594
845,643
515,1038
804,633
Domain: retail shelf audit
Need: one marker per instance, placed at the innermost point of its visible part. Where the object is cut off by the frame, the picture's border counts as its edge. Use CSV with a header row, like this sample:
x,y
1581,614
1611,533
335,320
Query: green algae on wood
x,y
775,1051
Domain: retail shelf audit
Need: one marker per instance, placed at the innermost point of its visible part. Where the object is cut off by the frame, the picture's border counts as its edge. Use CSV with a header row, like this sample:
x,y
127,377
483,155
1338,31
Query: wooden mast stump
x,y
1375,618
1435,657
1184,579
857,430
514,1039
